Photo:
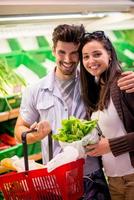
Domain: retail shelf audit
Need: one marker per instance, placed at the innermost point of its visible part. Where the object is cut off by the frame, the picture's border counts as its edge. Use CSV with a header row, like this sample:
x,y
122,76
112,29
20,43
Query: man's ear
x,y
53,51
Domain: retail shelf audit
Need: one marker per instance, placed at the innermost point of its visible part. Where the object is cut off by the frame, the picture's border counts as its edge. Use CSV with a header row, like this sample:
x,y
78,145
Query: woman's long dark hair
x,y
97,95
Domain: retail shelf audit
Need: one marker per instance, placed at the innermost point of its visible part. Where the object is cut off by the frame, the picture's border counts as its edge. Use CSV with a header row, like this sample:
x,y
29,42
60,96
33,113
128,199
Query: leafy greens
x,y
74,129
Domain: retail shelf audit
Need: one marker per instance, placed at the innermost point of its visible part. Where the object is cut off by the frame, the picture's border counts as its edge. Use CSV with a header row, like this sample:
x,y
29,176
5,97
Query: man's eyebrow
x,y
74,51
60,50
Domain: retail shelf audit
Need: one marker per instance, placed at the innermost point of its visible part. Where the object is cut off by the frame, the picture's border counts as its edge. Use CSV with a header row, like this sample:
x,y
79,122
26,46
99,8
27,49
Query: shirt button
x,y
65,109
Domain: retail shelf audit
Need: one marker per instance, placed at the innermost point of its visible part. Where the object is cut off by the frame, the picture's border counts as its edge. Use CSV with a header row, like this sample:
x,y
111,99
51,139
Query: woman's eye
x,y
96,55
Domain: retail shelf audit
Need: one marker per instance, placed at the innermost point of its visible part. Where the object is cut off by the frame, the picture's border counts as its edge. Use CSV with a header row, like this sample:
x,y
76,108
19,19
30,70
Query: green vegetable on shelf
x,y
74,129
10,82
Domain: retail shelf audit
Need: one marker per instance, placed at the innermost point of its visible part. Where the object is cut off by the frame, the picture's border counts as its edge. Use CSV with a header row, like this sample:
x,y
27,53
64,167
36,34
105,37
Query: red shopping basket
x,y
63,183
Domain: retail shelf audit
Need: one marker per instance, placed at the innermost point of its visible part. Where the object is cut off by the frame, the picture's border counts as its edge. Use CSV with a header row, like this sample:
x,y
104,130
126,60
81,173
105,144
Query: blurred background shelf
x,y
33,150
4,116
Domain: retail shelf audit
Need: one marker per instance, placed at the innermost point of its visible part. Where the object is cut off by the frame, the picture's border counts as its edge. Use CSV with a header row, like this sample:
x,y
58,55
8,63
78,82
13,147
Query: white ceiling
x,y
10,8
19,7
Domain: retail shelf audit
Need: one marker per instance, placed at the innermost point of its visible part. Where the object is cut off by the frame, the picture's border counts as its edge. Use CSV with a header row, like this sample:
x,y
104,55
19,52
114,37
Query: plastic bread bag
x,y
8,162
19,165
69,154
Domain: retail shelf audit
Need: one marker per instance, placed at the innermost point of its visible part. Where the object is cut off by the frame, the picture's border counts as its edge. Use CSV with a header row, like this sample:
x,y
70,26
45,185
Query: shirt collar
x,y
48,82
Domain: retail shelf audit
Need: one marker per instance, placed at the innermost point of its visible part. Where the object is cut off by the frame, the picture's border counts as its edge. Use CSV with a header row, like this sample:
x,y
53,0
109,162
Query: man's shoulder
x,y
41,83
37,84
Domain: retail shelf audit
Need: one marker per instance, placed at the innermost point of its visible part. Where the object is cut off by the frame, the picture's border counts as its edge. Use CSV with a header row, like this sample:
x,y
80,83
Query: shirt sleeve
x,y
125,143
122,144
28,109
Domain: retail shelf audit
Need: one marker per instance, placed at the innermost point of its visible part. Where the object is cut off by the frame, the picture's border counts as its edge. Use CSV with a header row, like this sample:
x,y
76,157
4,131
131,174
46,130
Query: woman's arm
x,y
117,146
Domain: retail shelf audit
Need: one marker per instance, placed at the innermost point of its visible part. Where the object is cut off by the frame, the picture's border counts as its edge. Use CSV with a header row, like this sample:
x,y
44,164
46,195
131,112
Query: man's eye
x,y
75,53
85,57
61,52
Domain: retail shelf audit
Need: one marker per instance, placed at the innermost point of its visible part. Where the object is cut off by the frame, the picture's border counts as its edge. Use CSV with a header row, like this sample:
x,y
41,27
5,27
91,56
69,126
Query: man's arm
x,y
43,129
126,82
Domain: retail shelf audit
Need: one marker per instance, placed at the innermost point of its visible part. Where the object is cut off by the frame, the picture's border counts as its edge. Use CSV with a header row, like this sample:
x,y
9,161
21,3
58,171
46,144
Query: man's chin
x,y
68,73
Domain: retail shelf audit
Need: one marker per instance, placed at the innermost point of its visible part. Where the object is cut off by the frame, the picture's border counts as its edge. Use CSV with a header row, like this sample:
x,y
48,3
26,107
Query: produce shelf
x,y
4,116
33,149
30,70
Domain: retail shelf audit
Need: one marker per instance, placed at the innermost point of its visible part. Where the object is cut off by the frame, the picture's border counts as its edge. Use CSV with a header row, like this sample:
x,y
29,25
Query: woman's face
x,y
95,58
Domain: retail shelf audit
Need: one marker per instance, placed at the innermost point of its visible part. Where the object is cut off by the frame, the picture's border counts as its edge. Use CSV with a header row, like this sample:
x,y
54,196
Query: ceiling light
x,y
51,17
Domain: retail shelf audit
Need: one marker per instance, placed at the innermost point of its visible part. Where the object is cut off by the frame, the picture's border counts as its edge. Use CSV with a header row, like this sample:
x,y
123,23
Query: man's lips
x,y
67,67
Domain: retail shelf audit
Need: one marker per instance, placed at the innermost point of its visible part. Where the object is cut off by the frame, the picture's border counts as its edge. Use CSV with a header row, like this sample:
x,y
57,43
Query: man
x,y
56,96
127,81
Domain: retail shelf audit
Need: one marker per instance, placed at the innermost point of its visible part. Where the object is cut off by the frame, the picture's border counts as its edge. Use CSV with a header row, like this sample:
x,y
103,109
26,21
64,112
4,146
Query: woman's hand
x,y
102,147
126,82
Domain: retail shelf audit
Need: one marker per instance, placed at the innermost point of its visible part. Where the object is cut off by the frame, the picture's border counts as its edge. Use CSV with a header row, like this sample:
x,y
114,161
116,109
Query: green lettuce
x,y
74,129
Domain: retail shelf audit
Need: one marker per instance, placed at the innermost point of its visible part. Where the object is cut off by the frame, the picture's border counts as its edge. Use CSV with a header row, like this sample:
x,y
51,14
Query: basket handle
x,y
25,147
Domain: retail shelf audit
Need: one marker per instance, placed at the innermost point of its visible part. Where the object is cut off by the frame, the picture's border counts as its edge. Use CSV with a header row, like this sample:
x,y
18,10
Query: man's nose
x,y
67,58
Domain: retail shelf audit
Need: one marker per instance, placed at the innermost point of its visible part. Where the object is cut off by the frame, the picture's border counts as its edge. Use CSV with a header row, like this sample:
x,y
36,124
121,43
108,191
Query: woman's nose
x,y
91,59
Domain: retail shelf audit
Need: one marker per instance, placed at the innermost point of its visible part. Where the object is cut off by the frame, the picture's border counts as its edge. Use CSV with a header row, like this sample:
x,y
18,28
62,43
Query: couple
x,y
89,93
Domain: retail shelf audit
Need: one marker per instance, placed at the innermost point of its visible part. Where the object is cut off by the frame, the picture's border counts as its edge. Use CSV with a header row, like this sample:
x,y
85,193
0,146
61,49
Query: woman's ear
x,y
110,59
109,55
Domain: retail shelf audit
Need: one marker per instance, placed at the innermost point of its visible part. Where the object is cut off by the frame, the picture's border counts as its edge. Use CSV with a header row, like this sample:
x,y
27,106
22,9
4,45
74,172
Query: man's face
x,y
67,59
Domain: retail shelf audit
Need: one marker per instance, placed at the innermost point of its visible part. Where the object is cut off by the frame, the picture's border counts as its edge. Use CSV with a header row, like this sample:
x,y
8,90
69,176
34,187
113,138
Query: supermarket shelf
x,y
4,116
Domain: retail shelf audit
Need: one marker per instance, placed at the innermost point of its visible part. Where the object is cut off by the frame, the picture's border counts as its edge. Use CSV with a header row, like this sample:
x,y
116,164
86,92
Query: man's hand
x,y
126,82
43,129
102,147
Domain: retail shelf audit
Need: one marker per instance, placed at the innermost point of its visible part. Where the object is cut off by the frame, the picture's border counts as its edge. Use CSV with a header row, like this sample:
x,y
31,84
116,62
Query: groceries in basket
x,y
68,155
17,164
77,133
65,181
62,183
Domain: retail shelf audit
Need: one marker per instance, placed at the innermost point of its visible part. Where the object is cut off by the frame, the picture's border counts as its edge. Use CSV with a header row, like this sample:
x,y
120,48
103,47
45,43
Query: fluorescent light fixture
x,y
51,17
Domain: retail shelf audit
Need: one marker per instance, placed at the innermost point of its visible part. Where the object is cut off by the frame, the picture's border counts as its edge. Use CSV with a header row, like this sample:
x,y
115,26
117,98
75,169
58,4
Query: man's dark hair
x,y
68,33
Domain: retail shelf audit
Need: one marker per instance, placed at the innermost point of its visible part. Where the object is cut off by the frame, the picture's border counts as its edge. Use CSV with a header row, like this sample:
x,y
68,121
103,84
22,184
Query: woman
x,y
114,109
